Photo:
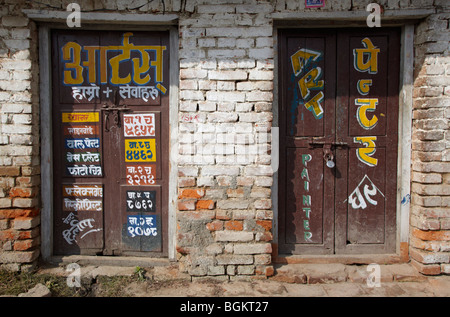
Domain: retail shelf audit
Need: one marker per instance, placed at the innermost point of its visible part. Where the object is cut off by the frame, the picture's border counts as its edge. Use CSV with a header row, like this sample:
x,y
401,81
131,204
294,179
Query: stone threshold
x,y
119,261
339,273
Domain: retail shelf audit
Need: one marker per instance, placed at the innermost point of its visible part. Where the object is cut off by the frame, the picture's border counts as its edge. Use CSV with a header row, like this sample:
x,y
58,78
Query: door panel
x,y
307,124
309,104
354,127
110,118
308,229
142,220
367,121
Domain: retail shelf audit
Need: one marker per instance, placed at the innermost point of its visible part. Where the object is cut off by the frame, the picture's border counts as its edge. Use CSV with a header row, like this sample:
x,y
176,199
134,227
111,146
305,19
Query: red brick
x,y
28,181
205,204
186,205
238,192
183,250
22,192
244,181
28,234
9,171
265,270
24,245
9,234
264,236
186,181
214,225
191,193
234,225
442,235
431,269
266,224
15,213
223,214
269,271
12,234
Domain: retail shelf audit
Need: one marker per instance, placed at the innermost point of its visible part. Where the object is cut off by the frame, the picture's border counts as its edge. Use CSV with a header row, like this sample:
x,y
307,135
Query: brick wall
x,y
226,83
19,140
430,190
226,59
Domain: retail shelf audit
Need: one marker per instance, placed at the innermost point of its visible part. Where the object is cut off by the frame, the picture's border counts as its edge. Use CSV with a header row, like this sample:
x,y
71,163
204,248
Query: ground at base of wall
x,y
289,281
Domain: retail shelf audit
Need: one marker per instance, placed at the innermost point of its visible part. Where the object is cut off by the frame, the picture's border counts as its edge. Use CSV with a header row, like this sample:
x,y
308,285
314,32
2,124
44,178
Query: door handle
x,y
106,121
106,116
117,111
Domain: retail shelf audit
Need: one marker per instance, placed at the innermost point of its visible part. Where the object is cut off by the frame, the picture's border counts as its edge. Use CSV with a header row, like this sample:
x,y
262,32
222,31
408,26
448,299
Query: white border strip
x,y
404,131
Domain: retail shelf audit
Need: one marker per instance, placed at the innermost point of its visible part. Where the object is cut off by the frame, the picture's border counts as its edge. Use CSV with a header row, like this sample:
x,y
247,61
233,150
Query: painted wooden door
x,y
338,115
110,142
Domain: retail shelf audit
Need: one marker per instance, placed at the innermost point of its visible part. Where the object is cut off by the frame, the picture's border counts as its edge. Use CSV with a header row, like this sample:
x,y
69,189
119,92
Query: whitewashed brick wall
x,y
226,60
226,84
430,205
19,140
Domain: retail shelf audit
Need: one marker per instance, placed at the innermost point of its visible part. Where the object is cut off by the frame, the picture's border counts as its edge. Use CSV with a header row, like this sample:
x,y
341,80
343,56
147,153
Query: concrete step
x,y
337,273
157,269
129,261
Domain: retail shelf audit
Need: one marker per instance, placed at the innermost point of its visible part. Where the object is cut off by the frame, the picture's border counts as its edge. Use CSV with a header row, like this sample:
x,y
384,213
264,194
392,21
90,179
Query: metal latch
x,y
116,112
328,155
312,142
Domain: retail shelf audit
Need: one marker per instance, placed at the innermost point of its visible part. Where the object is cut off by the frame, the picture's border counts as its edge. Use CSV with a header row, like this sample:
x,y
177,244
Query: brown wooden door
x,y
110,142
338,140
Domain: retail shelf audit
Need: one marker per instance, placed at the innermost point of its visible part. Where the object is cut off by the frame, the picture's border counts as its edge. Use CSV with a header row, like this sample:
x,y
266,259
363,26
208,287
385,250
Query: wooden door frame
x,y
168,23
403,158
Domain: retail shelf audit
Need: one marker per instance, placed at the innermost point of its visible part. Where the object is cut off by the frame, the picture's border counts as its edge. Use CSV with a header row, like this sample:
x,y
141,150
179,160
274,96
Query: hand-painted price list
x,y
142,226
141,201
141,174
83,197
139,125
140,151
84,204
82,144
140,158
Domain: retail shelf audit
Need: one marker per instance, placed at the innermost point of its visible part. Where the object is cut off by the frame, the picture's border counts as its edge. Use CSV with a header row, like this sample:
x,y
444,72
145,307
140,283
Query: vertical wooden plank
x,y
342,122
366,222
307,69
78,224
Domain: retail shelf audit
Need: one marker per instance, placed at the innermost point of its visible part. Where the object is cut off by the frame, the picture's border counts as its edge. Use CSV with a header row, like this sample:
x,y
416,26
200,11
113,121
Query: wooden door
x,y
110,142
338,140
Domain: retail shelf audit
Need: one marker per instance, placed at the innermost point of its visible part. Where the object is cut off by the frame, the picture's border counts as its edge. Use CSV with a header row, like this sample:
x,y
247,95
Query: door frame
x,y
403,156
169,23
